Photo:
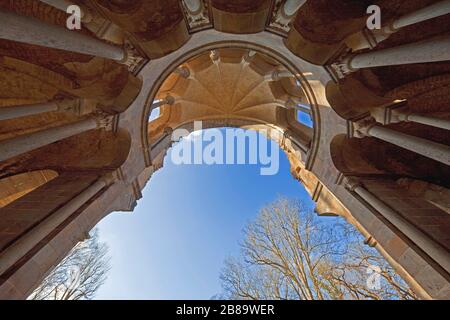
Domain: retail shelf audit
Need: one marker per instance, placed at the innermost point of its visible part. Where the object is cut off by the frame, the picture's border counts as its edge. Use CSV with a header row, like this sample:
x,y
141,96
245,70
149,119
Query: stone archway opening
x,y
233,86
296,84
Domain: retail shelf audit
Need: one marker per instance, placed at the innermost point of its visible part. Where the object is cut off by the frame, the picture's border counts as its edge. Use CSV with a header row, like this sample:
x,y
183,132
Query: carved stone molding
x,y
279,22
134,60
361,127
107,121
198,21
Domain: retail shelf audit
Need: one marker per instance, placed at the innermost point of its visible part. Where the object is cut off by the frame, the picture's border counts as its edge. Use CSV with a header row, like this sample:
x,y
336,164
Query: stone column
x,y
25,243
387,115
249,56
432,11
369,39
278,75
291,7
428,245
430,149
33,31
14,112
64,4
15,146
434,50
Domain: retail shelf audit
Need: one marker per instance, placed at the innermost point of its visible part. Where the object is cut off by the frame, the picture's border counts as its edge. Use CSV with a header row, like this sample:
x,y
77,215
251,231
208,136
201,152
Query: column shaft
x,y
25,243
369,39
420,52
64,4
433,122
430,149
27,110
433,249
25,143
432,11
33,31
58,4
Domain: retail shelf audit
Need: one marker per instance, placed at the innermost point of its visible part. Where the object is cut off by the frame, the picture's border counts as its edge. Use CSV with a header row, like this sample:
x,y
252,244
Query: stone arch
x,y
49,215
94,150
323,33
288,145
156,71
385,185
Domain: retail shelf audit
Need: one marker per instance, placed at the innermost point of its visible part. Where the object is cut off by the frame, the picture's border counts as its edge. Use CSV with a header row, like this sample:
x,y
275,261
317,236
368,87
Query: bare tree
x,y
79,275
290,253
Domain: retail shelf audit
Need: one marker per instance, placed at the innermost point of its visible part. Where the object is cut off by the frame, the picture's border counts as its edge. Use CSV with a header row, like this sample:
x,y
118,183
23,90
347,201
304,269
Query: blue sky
x,y
190,219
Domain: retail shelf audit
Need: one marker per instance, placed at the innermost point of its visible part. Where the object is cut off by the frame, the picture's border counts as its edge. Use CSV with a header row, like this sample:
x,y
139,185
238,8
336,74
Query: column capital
x,y
112,177
351,183
363,126
106,121
132,59
369,39
69,105
391,113
109,179
342,67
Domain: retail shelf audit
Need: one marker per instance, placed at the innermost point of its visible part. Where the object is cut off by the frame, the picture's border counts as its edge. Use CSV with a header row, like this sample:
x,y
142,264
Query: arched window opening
x,y
304,116
155,114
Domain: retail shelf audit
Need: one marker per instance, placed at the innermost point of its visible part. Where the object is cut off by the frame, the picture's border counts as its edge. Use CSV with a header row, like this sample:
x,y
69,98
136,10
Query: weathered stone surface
x,y
227,85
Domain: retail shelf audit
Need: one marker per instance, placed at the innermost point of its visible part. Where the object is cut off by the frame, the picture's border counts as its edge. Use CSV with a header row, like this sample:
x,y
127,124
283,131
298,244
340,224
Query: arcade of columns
x,y
76,143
